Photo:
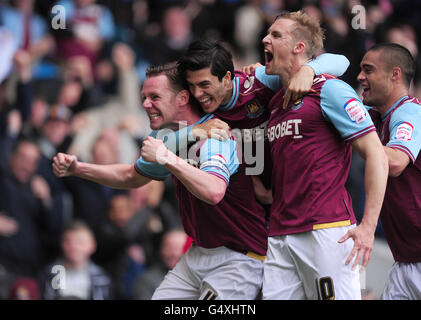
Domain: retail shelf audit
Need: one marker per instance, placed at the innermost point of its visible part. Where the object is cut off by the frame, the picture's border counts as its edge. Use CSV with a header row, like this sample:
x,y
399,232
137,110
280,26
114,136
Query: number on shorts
x,y
210,295
325,288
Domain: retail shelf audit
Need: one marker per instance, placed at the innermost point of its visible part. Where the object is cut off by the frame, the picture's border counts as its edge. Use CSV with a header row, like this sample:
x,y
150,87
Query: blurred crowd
x,y
70,78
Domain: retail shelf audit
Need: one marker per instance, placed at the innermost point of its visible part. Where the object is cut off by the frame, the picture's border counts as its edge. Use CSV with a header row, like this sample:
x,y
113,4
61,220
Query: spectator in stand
x,y
123,241
25,209
171,250
90,199
84,279
56,136
91,25
168,39
28,28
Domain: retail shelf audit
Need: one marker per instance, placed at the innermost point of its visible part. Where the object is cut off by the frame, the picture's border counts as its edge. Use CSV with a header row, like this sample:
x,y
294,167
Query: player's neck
x,y
188,117
396,94
293,67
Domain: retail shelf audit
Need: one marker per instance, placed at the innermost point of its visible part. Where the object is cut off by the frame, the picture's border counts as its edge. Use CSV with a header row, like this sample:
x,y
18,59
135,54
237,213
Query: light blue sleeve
x,y
219,158
334,64
273,82
151,170
342,107
174,141
405,130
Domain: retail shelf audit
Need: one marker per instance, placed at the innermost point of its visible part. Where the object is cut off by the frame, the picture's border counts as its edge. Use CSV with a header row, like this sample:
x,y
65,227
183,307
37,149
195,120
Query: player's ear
x,y
299,47
183,97
396,73
226,80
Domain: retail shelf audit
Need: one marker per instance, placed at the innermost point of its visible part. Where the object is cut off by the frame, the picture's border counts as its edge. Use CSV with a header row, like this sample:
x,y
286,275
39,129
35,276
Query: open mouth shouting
x,y
154,116
268,57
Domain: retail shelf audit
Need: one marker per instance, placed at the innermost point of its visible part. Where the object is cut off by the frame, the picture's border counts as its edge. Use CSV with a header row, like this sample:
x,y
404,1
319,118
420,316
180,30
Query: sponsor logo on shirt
x,y
404,132
285,128
355,111
254,110
251,135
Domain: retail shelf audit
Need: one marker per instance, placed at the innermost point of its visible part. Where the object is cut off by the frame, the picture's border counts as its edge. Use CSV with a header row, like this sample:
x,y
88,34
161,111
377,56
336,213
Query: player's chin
x,y
209,108
155,124
269,69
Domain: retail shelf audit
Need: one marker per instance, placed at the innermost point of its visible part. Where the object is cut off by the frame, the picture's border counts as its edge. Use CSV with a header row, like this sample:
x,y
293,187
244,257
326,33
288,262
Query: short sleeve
x,y
151,170
405,130
219,158
335,64
342,107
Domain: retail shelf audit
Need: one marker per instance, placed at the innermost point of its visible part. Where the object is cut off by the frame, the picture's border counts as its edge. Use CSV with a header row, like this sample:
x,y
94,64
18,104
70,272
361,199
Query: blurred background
x,y
70,79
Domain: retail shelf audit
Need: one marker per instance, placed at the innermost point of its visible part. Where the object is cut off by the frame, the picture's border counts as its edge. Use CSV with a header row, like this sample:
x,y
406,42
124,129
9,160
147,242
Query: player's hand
x,y
299,85
250,68
214,128
363,245
262,194
64,165
155,151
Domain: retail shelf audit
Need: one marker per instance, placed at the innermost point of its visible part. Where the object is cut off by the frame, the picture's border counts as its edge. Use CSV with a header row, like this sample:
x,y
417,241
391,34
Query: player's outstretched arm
x,y
371,150
119,176
201,184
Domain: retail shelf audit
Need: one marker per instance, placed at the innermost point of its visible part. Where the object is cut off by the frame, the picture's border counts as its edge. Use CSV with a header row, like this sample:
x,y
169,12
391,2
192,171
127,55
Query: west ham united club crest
x,y
254,110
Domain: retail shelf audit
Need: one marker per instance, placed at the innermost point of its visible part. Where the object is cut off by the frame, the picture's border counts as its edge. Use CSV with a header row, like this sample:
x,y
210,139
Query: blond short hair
x,y
306,29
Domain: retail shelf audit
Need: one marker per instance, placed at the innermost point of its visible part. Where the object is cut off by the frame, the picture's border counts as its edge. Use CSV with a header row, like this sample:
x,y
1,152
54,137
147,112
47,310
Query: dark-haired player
x,y
386,73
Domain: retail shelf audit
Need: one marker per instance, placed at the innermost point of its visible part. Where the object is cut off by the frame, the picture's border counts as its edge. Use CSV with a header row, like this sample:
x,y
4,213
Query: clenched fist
x,y
64,165
154,150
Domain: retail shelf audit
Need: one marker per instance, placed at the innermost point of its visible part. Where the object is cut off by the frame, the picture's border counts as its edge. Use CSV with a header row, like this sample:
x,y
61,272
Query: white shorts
x,y
212,274
310,265
404,282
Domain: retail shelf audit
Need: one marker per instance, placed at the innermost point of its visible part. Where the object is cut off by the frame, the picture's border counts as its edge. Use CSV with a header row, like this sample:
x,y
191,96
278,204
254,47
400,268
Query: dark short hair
x,y
204,53
397,55
169,70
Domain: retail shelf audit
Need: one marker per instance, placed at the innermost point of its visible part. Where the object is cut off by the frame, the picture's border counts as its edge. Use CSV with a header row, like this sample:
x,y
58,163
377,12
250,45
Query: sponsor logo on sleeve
x,y
219,157
355,111
404,132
